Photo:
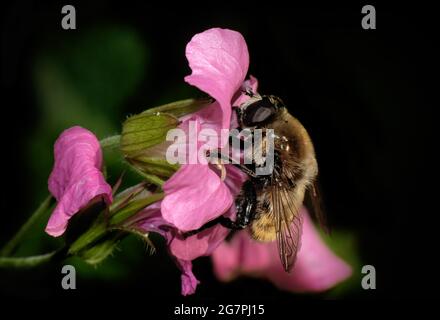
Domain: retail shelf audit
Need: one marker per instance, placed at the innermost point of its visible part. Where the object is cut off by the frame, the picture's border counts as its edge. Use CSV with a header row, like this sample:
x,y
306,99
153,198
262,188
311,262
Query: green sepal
x,y
104,226
101,249
132,208
180,108
143,139
155,166
145,130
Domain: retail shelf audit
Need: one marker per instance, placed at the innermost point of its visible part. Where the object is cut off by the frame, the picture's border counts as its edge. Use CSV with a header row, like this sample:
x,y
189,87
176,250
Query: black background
x,y
366,97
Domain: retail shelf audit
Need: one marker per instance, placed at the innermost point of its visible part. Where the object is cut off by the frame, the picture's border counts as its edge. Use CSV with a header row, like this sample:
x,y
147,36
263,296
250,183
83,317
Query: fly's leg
x,y
246,169
245,205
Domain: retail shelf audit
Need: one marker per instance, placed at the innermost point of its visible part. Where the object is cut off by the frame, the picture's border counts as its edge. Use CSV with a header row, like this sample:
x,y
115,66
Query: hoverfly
x,y
269,205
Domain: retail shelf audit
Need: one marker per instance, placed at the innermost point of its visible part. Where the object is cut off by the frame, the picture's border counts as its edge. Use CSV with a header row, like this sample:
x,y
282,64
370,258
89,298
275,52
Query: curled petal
x,y
219,60
201,244
242,256
249,85
189,281
205,242
194,195
316,269
203,132
207,117
76,177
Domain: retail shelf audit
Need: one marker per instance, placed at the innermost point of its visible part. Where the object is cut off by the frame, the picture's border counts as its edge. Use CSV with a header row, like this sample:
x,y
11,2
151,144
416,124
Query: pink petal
x,y
189,281
234,179
201,244
316,269
205,242
210,116
76,177
194,195
242,256
219,60
203,129
250,84
150,220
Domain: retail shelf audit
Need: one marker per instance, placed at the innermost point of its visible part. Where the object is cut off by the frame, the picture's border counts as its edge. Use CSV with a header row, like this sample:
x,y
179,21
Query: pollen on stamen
x,y
222,169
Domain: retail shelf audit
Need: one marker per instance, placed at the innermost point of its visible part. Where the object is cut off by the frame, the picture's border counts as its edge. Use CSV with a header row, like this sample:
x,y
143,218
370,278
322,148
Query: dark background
x,y
364,95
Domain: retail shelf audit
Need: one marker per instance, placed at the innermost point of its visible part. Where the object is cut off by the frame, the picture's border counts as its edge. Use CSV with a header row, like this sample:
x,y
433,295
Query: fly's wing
x,y
313,201
288,222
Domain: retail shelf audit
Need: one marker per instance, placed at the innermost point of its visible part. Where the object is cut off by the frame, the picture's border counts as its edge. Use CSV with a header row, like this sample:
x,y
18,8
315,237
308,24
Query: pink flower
x,y
76,177
316,269
185,250
219,61
205,242
195,194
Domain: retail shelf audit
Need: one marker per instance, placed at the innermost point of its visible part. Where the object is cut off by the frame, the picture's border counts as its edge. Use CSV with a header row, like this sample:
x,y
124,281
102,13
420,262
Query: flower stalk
x,y
12,244
110,142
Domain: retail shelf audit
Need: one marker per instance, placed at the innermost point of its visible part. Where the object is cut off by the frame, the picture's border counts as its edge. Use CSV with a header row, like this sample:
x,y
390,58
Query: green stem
x,y
26,262
149,177
110,142
9,248
94,233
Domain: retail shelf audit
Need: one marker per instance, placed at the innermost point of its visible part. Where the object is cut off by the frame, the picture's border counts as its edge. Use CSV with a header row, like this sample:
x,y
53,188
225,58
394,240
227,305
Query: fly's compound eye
x,y
258,113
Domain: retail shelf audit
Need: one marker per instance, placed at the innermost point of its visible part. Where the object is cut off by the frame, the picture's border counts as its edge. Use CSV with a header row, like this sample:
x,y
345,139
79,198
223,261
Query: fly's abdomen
x,y
263,226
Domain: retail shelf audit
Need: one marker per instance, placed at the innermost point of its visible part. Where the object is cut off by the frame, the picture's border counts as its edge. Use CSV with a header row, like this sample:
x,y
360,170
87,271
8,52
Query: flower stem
x,y
110,142
149,177
26,262
9,248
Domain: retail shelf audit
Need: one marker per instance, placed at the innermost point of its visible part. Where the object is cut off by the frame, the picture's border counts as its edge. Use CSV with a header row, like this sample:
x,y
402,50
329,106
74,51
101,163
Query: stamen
x,y
222,169
218,163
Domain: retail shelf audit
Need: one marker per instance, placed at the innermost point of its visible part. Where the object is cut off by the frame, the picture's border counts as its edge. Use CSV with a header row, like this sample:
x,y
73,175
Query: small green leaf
x,y
98,252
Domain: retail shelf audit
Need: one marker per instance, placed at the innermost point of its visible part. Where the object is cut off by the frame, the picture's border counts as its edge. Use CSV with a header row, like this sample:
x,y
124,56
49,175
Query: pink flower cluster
x,y
196,194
